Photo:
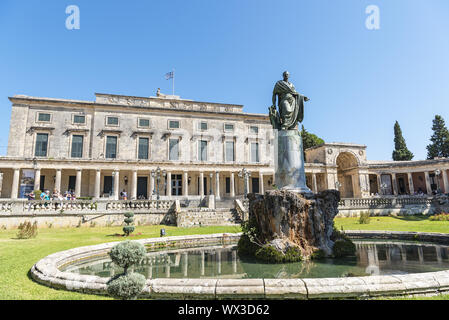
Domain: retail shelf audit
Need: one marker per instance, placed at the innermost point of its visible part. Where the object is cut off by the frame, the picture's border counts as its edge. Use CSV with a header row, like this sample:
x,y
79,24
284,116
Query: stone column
x,y
428,187
37,179
394,183
246,181
58,180
15,184
185,184
168,191
410,183
445,181
232,185
261,189
97,184
1,182
116,184
78,183
202,184
368,186
134,186
217,185
314,183
379,183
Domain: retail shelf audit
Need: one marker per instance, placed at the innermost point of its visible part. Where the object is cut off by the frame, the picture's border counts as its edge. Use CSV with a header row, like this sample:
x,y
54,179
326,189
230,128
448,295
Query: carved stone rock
x,y
287,219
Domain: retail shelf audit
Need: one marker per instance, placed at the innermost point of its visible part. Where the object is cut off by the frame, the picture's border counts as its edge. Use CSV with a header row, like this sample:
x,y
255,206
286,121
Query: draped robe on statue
x,y
291,107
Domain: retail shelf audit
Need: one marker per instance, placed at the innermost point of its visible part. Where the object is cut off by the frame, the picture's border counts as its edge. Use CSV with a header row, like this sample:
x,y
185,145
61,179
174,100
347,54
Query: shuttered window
x,y
174,149
41,145
230,151
143,148
111,147
77,146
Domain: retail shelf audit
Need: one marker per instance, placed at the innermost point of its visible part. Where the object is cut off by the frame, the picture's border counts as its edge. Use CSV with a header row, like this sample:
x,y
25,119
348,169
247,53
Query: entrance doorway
x,y
142,187
72,183
255,185
107,186
176,184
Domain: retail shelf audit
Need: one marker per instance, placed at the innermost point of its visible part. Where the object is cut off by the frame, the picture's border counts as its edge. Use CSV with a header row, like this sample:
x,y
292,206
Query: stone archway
x,y
348,176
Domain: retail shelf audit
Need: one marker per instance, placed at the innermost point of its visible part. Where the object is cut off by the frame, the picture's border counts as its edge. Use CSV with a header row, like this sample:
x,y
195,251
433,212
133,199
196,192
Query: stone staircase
x,y
195,217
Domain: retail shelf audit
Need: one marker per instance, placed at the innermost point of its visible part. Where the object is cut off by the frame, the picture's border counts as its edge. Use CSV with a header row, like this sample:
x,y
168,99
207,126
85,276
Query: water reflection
x,y
373,258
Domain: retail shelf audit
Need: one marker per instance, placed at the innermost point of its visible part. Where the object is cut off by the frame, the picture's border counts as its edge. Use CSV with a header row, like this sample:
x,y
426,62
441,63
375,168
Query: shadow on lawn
x,y
411,218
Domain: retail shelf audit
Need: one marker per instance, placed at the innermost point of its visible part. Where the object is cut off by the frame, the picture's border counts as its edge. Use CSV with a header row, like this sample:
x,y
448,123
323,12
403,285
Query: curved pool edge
x,y
46,272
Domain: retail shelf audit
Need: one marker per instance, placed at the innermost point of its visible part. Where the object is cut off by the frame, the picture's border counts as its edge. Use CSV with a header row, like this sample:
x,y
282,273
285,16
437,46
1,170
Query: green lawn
x,y
18,256
408,223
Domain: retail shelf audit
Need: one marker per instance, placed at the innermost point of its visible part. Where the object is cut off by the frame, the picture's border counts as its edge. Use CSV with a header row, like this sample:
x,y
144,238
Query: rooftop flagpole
x,y
173,82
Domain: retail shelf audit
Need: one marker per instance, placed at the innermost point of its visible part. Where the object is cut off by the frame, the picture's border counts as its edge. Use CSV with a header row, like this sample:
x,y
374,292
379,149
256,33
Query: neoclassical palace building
x,y
116,143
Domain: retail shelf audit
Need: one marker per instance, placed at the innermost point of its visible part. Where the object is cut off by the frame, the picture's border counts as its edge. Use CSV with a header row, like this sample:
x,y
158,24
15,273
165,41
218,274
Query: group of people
x,y
45,195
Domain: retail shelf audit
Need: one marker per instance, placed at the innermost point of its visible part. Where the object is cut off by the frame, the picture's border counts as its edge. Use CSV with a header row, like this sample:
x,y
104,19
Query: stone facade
x,y
100,148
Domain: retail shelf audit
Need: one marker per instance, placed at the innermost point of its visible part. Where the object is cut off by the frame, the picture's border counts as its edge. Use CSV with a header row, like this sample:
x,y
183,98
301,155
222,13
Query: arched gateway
x,y
348,174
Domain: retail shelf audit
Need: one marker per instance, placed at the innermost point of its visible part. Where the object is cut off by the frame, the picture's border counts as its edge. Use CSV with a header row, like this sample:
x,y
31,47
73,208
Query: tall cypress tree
x,y
400,153
309,140
440,139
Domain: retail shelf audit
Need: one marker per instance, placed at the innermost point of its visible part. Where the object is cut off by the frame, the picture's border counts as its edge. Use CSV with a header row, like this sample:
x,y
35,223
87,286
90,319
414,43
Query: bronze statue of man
x,y
290,103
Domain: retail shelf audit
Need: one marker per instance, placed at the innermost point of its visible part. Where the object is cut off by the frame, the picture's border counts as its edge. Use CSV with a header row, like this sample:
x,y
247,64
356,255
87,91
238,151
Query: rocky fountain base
x,y
286,226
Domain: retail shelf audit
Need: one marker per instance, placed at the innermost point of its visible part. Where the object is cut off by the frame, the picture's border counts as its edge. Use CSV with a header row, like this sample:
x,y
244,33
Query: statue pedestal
x,y
289,162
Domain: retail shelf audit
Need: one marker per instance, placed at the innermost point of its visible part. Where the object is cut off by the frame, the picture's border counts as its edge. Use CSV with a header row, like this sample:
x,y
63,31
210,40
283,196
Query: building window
x,y
77,146
228,127
143,148
255,152
111,147
144,123
44,117
253,130
173,149
41,145
79,119
173,124
230,151
112,121
202,150
203,126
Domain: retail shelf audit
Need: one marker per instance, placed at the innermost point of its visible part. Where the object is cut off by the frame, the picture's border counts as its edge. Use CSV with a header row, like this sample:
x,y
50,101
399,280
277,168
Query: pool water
x,y
372,258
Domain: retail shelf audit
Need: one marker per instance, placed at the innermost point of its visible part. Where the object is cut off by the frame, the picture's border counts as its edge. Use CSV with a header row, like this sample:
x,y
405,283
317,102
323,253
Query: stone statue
x,y
291,105
289,159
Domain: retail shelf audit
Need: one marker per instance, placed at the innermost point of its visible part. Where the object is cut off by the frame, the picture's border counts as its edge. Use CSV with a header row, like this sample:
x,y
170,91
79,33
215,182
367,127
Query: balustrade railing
x,y
390,202
24,207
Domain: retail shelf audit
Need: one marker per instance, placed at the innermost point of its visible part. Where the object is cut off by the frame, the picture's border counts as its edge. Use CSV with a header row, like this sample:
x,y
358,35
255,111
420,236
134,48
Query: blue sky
x,y
360,81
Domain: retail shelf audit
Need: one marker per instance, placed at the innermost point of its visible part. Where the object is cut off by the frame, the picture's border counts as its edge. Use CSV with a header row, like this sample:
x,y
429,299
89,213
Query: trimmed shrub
x,y
318,255
364,218
440,217
293,254
245,247
126,286
127,253
129,228
343,248
27,230
271,255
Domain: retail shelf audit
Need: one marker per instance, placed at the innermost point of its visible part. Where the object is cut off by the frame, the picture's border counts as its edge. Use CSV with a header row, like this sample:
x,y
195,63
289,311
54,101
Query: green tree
x,y
309,140
440,139
400,153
